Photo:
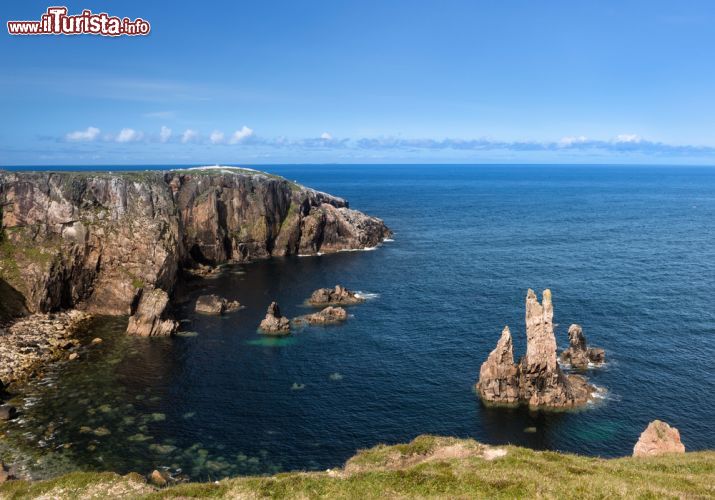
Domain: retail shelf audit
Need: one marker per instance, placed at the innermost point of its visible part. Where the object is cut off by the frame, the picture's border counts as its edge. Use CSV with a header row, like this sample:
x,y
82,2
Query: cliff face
x,y
92,240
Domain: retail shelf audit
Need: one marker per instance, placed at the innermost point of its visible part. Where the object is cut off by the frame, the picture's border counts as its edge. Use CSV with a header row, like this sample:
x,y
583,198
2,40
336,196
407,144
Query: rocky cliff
x,y
93,240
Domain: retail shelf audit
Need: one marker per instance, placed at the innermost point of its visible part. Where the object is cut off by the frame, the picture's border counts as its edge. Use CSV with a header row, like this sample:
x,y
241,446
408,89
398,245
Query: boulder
x,y
149,317
579,355
537,380
334,296
328,316
213,304
7,412
657,439
274,323
159,478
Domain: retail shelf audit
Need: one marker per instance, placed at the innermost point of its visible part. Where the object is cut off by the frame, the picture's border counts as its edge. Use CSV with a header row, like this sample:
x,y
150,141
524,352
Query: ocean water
x,y
628,252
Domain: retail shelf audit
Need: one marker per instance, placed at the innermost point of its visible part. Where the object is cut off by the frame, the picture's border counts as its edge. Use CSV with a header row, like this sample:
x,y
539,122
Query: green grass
x,y
428,467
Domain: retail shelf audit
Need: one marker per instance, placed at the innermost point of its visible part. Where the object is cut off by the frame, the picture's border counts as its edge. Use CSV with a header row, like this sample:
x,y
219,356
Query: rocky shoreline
x,y
31,342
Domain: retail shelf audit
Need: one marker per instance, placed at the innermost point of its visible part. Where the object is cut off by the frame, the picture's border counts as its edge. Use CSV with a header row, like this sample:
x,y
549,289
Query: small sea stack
x,y
579,355
537,379
274,323
329,316
149,317
213,304
334,296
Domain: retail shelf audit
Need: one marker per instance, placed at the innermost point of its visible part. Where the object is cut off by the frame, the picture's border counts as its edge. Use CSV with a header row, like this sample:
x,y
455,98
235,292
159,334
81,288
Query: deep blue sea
x,y
628,252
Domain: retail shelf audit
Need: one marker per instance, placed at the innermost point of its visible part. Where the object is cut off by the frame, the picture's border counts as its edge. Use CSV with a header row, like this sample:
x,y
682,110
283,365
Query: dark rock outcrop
x,y
537,380
213,304
149,319
334,296
91,240
274,323
328,316
578,354
657,439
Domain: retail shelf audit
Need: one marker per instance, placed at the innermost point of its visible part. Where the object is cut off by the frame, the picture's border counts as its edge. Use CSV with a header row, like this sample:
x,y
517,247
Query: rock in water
x,y
328,316
578,354
213,304
274,323
538,377
149,318
334,296
498,377
658,438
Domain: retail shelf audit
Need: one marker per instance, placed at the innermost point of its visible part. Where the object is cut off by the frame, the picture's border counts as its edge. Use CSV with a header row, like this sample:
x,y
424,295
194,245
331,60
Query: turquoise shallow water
x,y
627,251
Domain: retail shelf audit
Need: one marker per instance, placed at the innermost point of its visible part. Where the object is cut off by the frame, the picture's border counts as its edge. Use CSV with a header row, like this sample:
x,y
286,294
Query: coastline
x,y
427,467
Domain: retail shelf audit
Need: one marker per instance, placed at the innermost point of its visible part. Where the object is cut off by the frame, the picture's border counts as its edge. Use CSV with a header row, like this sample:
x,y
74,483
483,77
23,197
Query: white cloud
x,y
216,137
164,134
83,135
189,135
632,138
240,135
568,141
128,135
326,136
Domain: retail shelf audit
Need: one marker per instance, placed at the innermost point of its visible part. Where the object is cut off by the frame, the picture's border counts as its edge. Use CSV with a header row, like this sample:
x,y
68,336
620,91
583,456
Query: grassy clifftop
x,y
429,466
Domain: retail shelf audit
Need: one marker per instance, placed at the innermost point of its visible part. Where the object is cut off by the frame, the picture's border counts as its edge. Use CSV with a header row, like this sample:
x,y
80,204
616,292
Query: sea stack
x,y
274,323
149,317
578,354
537,380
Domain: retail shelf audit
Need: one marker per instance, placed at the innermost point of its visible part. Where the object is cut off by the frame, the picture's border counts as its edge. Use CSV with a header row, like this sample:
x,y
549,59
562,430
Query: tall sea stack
x,y
537,380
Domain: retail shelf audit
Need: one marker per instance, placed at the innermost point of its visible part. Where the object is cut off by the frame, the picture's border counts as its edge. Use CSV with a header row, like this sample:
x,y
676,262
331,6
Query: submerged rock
x,y
213,304
149,318
328,316
334,296
274,323
537,379
657,439
578,354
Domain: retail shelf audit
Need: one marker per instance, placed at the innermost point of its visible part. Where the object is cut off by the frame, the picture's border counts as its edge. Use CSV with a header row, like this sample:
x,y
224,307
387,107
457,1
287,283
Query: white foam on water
x,y
388,240
367,295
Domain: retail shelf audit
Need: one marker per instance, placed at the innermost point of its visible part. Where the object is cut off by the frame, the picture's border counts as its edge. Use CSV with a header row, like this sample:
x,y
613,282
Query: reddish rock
x,y
498,377
149,319
274,323
657,439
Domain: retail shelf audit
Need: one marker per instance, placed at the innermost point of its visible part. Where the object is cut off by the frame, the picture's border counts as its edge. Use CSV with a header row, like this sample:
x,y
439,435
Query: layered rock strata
x,y
150,317
94,240
537,379
578,354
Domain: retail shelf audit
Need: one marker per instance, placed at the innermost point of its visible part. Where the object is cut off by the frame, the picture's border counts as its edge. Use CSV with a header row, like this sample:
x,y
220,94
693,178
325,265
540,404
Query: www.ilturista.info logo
x,y
56,22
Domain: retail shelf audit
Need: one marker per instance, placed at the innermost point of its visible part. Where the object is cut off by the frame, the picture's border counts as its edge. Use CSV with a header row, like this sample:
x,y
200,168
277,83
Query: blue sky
x,y
365,82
